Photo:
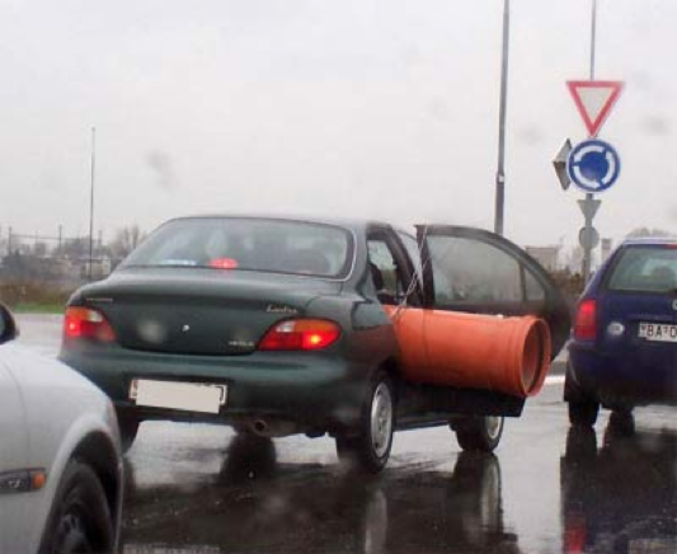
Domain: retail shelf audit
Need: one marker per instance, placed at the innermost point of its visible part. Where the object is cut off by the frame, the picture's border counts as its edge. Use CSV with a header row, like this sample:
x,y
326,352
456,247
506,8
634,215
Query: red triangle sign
x,y
594,100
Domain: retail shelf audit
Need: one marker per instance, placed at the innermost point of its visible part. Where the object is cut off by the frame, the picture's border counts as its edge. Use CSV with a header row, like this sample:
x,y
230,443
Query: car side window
x,y
534,290
469,271
386,272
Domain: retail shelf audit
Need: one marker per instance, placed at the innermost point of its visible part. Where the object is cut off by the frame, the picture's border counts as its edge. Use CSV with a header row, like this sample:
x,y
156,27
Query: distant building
x,y
547,256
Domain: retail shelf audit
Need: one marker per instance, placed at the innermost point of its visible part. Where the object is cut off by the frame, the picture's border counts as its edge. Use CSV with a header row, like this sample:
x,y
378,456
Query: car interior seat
x,y
663,278
307,260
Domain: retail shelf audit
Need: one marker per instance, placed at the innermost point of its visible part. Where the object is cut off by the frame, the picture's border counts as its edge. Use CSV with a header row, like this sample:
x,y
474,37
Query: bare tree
x,y
126,240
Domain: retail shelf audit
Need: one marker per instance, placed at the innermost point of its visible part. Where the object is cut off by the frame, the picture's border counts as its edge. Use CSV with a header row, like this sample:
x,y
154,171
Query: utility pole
x,y
91,205
500,171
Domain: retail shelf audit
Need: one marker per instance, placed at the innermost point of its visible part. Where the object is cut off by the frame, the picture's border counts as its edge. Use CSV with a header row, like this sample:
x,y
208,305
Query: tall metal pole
x,y
500,171
91,205
587,249
593,33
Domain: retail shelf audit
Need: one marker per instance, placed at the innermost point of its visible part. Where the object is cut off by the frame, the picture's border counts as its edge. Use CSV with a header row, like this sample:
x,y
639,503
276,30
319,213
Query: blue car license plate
x,y
659,332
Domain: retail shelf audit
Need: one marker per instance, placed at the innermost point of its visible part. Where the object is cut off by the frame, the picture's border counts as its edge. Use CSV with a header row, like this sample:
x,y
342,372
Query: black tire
x,y
368,448
583,408
80,520
583,413
481,433
129,427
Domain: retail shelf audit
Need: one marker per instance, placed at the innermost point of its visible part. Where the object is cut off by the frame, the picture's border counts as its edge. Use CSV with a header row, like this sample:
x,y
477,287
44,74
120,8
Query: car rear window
x,y
645,269
269,245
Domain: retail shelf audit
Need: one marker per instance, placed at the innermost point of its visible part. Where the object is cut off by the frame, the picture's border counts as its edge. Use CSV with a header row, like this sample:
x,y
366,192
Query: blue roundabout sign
x,y
593,165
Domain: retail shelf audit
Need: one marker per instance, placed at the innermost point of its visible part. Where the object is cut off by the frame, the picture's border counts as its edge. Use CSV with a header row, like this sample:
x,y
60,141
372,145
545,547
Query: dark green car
x,y
280,326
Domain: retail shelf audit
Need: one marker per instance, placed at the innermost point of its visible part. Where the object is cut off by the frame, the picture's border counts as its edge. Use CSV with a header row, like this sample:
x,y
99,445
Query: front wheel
x,y
369,449
482,433
80,520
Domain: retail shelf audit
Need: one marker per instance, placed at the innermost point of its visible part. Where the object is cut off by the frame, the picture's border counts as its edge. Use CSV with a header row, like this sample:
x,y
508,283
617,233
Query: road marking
x,y
554,380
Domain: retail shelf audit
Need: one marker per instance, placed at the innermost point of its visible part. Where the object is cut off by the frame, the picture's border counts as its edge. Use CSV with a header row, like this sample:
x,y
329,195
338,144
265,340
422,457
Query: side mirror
x,y
8,328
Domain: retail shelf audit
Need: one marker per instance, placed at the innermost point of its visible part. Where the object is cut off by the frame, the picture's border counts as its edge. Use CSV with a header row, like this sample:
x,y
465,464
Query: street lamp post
x,y
500,171
91,205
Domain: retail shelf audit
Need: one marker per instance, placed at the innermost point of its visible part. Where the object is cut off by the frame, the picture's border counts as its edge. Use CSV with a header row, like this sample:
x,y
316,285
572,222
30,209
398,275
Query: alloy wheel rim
x,y
493,426
381,419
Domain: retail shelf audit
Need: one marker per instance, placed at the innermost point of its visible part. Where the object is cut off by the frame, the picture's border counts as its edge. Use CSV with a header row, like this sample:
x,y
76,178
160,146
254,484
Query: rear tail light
x,y
86,323
301,334
585,327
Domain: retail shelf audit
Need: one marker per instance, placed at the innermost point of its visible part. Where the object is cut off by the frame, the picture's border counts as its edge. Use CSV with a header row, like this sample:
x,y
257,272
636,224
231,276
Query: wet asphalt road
x,y
204,489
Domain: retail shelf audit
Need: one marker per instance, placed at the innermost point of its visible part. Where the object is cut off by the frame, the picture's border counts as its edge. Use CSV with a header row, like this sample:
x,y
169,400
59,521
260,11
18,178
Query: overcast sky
x,y
384,109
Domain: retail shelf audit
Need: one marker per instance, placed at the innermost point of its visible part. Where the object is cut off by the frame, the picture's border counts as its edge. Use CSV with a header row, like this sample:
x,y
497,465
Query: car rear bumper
x,y
315,392
624,377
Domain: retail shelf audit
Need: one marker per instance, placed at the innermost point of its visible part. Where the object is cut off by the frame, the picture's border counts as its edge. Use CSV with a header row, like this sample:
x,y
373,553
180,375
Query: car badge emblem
x,y
281,309
185,328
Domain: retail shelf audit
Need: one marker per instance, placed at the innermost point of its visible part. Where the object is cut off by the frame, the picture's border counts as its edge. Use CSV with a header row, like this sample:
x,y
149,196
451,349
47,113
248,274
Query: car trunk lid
x,y
200,312
624,314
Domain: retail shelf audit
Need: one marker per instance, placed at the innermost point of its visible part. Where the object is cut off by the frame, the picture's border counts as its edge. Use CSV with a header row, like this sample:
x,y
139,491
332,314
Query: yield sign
x,y
594,100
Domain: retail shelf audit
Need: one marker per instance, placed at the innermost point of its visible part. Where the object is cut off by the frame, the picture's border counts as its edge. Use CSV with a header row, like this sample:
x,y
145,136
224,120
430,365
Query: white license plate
x,y
192,397
659,332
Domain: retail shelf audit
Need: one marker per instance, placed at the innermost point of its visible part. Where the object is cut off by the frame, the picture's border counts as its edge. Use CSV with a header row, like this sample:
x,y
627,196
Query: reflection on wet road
x,y
257,504
204,489
621,497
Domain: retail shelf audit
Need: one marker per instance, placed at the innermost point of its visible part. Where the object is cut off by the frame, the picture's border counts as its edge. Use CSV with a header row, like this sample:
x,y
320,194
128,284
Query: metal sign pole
x,y
589,199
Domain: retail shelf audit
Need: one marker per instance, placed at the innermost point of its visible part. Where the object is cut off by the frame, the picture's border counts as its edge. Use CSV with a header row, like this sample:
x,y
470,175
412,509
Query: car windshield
x,y
645,269
291,247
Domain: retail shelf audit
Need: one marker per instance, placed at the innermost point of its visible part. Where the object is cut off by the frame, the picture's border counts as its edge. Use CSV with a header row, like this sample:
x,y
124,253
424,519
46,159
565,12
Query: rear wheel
x,y
369,449
80,520
583,412
583,408
129,427
482,433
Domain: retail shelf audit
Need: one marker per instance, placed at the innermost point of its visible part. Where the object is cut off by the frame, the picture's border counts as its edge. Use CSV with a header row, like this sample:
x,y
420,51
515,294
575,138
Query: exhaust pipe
x,y
273,428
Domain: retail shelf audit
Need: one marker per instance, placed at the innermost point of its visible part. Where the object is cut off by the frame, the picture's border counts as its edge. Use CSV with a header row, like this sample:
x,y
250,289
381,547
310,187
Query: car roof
x,y
349,223
650,241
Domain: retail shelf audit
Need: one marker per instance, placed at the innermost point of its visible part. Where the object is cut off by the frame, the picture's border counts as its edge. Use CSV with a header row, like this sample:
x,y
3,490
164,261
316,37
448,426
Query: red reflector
x,y
87,323
224,263
301,334
585,327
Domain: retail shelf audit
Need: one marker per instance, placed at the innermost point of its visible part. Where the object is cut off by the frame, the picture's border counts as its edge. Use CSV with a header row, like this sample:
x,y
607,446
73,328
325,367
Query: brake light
x,y
224,263
86,323
301,334
585,327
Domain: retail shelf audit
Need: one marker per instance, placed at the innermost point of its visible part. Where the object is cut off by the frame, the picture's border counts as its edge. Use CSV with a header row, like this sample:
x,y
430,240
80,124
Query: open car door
x,y
476,271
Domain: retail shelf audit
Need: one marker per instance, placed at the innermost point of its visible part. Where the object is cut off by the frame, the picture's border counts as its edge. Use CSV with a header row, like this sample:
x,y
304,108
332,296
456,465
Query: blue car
x,y
624,348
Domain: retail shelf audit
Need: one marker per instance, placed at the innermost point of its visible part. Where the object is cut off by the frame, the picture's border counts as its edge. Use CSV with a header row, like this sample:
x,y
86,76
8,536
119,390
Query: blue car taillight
x,y
585,327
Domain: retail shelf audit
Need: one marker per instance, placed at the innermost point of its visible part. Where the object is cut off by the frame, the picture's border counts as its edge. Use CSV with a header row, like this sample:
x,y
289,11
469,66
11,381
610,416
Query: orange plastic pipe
x,y
506,354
